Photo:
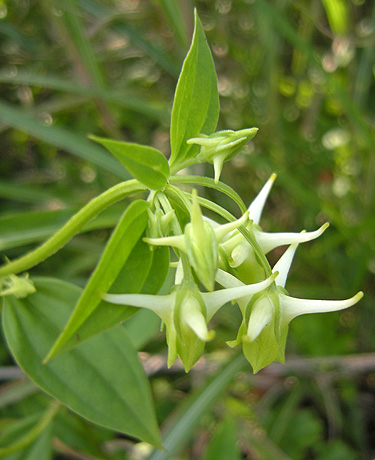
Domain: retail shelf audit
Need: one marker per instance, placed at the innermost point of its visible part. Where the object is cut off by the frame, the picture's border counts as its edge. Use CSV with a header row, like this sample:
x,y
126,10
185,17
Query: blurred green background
x,y
301,71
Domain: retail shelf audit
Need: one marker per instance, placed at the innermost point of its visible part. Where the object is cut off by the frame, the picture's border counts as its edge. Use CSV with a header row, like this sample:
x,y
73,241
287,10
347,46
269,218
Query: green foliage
x,y
196,102
86,379
304,75
146,164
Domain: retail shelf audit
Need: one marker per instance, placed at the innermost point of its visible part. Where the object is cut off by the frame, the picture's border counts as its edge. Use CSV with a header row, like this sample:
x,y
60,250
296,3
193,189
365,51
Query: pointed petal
x,y
269,241
227,280
175,241
215,300
223,230
260,316
256,207
160,304
283,265
239,254
218,161
195,320
292,307
179,276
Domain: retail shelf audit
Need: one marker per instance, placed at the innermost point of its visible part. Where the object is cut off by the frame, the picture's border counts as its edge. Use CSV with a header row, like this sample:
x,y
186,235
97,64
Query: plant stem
x,y
72,227
176,227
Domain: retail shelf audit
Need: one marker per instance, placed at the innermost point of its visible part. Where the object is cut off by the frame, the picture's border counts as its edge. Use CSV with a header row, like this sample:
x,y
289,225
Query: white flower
x,y
200,242
186,312
240,253
266,315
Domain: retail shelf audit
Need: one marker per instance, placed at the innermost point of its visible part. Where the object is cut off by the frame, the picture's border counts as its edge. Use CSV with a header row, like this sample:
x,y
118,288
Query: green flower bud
x,y
221,146
202,246
20,286
200,243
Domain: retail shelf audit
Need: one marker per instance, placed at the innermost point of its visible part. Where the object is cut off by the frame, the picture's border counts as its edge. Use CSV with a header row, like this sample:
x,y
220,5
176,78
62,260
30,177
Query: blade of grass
x,y
156,53
196,405
173,11
60,137
120,97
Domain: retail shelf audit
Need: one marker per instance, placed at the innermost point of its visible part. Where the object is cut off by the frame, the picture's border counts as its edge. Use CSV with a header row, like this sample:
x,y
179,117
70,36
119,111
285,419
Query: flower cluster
x,y
229,255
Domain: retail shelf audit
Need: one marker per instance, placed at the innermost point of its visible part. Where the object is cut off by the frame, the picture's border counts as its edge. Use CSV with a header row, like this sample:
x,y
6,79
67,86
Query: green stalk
x,y
176,228
245,232
72,227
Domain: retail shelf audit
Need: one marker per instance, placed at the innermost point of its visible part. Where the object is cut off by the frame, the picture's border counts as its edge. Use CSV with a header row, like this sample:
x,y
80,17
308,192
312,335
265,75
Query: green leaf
x,y
144,272
196,102
123,239
101,379
146,164
223,443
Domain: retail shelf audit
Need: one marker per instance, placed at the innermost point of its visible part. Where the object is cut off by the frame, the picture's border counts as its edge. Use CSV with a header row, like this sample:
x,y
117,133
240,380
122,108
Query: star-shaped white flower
x,y
240,253
266,315
186,312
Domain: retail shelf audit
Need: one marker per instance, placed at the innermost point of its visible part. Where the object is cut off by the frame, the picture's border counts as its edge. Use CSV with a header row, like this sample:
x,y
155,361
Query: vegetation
x,y
303,73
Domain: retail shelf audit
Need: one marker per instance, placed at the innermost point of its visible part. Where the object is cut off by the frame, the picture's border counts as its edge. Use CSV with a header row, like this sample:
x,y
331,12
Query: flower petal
x,y
256,207
293,307
160,304
261,315
283,265
223,230
269,241
215,300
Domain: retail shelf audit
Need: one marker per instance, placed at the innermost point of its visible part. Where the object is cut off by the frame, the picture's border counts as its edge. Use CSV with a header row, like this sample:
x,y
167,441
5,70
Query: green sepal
x,y
146,164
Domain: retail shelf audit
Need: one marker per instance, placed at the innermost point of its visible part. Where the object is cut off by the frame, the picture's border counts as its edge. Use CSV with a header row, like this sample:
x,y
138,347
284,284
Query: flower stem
x,y
72,227
176,228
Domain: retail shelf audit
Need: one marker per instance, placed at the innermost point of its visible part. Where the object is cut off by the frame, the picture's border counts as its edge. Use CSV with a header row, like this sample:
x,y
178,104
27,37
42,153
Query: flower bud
x,y
202,246
221,146
20,286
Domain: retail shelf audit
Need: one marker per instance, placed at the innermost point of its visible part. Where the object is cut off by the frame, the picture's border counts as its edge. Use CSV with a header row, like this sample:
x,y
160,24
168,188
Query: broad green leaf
x,y
144,272
101,379
146,164
122,241
224,442
189,413
60,137
196,102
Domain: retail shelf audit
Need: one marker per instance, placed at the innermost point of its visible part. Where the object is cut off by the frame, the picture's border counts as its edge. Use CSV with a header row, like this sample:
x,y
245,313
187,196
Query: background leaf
x,y
101,379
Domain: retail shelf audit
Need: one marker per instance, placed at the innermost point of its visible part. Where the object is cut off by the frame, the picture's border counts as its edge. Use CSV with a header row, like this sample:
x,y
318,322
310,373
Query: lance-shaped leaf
x,y
123,239
101,379
196,102
144,272
146,164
